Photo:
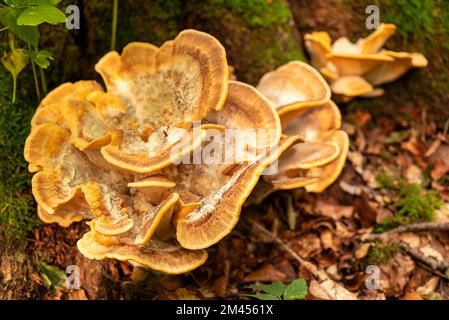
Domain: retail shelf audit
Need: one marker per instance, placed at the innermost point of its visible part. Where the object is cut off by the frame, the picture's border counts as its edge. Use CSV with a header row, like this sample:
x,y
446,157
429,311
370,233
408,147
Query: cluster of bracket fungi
x,y
112,158
356,69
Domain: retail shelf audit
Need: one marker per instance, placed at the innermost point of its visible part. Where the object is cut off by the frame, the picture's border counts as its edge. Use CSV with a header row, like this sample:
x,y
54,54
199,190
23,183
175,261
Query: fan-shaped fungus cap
x,y
180,82
294,86
67,91
250,112
62,169
319,45
69,188
351,86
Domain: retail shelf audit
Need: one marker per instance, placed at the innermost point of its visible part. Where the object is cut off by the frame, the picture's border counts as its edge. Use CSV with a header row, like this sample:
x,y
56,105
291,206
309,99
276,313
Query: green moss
x,y
414,19
417,21
17,207
413,204
416,205
276,53
387,181
255,13
258,35
381,254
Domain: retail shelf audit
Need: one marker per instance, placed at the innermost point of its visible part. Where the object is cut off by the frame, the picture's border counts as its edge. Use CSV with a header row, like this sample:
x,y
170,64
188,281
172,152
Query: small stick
x,y
434,264
414,227
320,274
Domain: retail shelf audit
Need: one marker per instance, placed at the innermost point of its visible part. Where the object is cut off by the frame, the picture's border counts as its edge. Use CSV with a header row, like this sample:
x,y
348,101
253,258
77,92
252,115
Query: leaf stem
x,y
114,23
36,81
14,88
43,81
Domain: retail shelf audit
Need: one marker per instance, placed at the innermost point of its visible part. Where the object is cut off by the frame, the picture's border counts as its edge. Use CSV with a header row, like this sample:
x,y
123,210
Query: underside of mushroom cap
x,y
318,176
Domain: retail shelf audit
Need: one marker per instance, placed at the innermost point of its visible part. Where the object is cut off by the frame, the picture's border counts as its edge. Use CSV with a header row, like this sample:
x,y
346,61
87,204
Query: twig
x,y
434,264
435,272
414,227
314,270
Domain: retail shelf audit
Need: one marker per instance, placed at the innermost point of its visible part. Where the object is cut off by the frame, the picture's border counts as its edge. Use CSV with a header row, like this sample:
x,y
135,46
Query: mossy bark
x,y
258,36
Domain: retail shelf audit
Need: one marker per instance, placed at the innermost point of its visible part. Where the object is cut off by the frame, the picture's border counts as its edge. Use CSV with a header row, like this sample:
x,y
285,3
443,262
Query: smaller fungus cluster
x,y
303,101
357,69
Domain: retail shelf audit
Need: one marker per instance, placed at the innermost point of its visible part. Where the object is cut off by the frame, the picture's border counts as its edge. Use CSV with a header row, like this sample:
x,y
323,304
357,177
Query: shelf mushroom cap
x,y
319,45
351,86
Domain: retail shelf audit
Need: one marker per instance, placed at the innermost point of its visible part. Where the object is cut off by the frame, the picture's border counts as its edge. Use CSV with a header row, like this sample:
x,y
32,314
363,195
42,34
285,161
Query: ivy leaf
x,y
36,15
275,289
8,18
296,290
53,276
41,58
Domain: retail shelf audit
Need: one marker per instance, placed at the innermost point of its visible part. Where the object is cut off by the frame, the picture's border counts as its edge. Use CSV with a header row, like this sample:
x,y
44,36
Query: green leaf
x,y
262,296
36,15
52,275
15,61
296,290
276,288
41,58
8,18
